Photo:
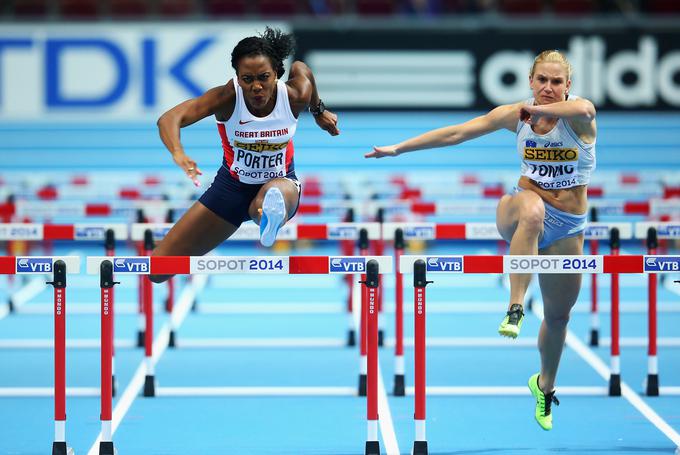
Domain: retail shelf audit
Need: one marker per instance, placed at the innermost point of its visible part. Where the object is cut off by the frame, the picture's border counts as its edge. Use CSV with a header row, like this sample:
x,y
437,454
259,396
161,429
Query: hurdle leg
x,y
372,287
147,294
399,366
110,247
363,338
347,248
419,283
594,317
169,305
149,379
107,302
379,249
363,342
615,368
59,446
652,388
141,321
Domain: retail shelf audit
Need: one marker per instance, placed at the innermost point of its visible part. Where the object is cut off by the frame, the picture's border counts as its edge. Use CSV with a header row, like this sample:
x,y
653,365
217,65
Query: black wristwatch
x,y
318,109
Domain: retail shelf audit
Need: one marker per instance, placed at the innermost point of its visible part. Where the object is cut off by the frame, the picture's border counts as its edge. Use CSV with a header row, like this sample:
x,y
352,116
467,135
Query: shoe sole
x,y
273,208
509,333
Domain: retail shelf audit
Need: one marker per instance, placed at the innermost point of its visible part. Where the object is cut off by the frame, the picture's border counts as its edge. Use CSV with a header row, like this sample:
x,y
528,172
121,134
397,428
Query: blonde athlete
x,y
546,214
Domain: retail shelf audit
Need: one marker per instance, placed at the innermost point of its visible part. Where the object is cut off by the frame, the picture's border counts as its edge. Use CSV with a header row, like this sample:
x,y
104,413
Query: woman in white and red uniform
x,y
546,214
256,116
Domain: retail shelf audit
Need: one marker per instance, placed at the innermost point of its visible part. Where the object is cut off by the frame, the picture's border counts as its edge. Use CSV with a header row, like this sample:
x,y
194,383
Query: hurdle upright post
x,y
372,284
652,361
615,367
419,284
59,446
147,293
140,294
170,300
363,319
347,249
594,317
378,249
399,366
106,284
110,247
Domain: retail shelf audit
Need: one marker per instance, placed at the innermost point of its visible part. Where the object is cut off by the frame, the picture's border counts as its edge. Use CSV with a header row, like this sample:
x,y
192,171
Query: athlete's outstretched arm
x,y
505,116
186,113
303,93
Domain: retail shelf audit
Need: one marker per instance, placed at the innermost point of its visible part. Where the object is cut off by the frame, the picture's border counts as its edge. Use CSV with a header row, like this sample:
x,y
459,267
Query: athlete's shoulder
x,y
224,97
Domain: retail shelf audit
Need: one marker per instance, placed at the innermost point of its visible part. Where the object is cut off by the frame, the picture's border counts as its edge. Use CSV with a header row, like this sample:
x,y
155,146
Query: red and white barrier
x,y
58,267
613,264
484,207
371,266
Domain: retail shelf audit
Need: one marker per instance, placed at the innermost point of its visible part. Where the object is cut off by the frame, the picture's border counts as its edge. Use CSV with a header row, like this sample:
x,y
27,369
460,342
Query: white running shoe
x,y
273,214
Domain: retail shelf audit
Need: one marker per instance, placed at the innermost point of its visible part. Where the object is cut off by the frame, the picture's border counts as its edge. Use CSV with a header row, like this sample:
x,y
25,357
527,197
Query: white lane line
x,y
628,393
505,390
255,391
287,343
34,287
159,346
48,391
385,420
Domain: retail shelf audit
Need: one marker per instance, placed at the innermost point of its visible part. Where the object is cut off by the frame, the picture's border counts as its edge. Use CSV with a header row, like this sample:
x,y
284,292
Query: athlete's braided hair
x,y
273,43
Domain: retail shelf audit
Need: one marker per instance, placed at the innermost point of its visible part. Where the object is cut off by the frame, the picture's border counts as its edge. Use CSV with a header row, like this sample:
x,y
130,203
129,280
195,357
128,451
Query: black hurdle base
x,y
149,386
381,337
594,337
106,448
372,448
399,385
60,448
419,448
171,340
652,385
351,338
362,385
113,385
10,306
140,338
615,385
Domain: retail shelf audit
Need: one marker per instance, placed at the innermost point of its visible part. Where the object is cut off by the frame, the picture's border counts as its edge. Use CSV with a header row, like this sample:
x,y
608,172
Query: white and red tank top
x,y
258,149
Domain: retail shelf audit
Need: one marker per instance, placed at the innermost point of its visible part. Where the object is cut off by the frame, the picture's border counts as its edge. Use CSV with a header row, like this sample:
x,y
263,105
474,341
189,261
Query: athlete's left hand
x,y
328,121
530,114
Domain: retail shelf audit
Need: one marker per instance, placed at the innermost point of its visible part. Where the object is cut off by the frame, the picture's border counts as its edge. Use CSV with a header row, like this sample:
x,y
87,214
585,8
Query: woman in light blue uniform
x,y
546,214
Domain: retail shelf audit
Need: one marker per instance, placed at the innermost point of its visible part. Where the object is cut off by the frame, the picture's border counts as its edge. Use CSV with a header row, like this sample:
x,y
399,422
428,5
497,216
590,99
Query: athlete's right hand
x,y
189,167
379,152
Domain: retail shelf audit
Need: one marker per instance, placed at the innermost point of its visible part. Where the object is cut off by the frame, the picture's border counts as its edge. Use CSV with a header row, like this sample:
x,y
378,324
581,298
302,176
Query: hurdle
x,y
45,231
58,267
420,266
345,232
371,266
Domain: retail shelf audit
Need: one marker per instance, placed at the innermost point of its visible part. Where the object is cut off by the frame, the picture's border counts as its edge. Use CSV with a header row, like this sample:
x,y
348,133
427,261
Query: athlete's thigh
x,y
510,209
289,190
560,291
195,234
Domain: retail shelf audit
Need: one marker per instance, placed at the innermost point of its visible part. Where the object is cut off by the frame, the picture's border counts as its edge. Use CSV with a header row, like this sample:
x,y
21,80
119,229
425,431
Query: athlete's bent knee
x,y
556,322
531,217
